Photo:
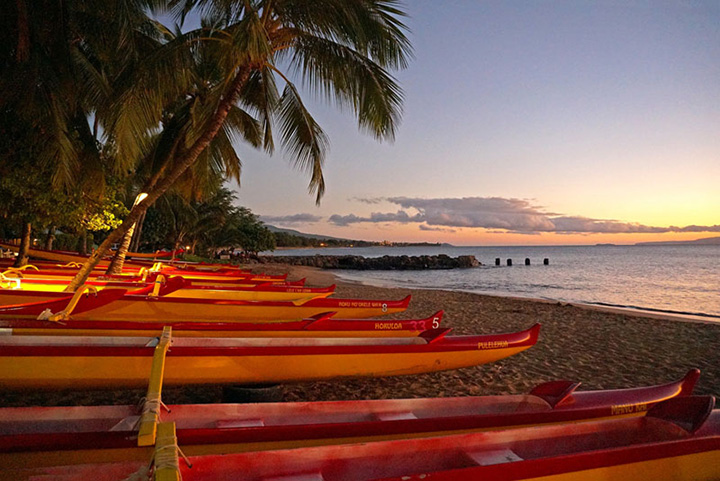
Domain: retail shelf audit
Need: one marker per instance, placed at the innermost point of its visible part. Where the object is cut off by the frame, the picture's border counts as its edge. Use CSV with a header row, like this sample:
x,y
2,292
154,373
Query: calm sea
x,y
677,279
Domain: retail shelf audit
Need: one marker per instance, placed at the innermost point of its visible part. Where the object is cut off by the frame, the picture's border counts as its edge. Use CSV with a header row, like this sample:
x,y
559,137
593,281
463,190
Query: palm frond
x,y
349,78
303,138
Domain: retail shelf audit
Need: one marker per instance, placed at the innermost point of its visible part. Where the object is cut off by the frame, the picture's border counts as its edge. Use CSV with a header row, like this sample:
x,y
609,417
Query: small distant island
x,y
708,241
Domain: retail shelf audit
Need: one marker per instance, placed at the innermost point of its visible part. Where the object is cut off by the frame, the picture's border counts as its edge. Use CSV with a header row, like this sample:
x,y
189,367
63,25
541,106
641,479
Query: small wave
x,y
653,309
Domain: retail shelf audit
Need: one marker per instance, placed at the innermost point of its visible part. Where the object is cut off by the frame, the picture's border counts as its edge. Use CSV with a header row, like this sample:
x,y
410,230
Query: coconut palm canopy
x,y
111,89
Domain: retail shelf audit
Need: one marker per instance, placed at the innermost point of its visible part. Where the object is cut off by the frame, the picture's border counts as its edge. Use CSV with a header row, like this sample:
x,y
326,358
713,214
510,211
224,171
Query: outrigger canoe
x,y
182,288
9,278
56,362
141,305
678,439
73,435
203,277
323,325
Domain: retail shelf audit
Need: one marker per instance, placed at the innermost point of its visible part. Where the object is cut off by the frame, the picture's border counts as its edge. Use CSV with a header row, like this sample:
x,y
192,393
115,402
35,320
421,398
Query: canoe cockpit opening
x,y
496,456
395,416
239,423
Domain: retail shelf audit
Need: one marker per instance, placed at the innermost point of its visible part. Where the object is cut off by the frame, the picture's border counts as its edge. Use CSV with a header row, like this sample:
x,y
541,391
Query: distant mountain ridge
x,y
272,228
708,241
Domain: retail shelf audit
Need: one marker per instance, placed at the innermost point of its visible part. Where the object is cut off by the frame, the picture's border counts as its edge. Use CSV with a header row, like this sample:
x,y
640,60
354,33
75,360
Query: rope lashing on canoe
x,y
150,405
150,416
165,462
166,459
63,315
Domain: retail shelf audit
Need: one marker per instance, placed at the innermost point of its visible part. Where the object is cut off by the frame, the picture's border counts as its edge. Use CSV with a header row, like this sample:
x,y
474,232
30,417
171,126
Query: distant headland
x,y
288,238
708,241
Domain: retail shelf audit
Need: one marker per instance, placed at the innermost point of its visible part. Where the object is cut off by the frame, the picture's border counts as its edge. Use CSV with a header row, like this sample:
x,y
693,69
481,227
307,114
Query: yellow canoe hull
x,y
57,372
156,310
217,294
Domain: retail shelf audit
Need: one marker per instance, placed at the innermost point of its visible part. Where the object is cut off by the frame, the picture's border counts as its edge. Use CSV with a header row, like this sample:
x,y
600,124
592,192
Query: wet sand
x,y
602,348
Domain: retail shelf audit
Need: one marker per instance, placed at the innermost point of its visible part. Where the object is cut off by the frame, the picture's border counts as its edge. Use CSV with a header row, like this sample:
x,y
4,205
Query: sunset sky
x,y
527,122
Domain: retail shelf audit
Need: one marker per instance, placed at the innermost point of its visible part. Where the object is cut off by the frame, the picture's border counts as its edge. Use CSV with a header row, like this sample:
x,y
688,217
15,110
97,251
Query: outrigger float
x,y
677,439
56,362
73,435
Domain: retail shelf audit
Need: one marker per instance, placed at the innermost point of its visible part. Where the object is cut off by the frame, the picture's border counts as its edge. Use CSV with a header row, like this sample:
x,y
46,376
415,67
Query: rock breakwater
x,y
441,261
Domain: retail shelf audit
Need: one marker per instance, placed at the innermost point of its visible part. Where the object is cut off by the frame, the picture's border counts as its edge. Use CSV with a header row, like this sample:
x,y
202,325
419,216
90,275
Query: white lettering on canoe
x,y
363,304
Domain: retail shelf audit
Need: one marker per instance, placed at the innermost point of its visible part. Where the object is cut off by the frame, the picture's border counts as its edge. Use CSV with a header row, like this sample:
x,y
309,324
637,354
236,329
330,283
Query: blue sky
x,y
527,122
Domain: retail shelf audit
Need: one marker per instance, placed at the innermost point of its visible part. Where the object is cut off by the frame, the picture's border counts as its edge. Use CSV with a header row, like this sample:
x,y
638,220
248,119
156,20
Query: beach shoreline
x,y
341,278
601,347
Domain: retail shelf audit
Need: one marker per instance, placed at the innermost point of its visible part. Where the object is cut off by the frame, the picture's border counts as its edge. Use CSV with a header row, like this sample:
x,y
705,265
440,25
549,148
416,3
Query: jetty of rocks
x,y
440,261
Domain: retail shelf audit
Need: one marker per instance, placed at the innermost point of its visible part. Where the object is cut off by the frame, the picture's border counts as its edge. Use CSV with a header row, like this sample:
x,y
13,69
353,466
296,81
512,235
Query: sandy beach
x,y
602,348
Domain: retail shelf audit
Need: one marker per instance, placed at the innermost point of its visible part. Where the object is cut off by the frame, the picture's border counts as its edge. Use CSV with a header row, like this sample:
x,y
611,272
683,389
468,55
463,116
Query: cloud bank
x,y
506,214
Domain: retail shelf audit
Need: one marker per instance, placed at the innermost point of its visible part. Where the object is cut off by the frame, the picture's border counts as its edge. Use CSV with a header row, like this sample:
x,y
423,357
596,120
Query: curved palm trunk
x,y
186,160
22,257
118,260
137,235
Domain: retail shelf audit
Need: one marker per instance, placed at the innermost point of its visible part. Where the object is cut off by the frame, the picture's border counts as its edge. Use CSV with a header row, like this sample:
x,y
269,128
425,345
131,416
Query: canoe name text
x,y
388,325
492,345
381,305
628,408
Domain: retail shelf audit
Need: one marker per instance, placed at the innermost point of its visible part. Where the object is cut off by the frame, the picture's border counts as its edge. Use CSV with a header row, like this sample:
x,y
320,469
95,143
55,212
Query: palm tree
x,y
59,63
339,48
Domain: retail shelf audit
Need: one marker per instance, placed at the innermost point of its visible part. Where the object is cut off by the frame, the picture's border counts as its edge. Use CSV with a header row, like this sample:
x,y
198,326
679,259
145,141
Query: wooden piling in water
x,y
527,261
509,262
497,261
546,261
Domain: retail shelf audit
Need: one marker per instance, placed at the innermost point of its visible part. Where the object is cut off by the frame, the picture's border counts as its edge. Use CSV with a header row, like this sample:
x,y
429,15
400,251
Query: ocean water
x,y
683,279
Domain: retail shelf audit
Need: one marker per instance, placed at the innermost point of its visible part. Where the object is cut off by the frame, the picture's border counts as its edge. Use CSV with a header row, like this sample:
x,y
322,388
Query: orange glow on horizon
x,y
475,237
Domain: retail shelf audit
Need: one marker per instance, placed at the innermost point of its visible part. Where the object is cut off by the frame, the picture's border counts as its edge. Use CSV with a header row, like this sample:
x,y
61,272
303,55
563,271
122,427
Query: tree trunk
x,y
22,53
118,260
135,244
82,242
185,161
50,238
22,257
